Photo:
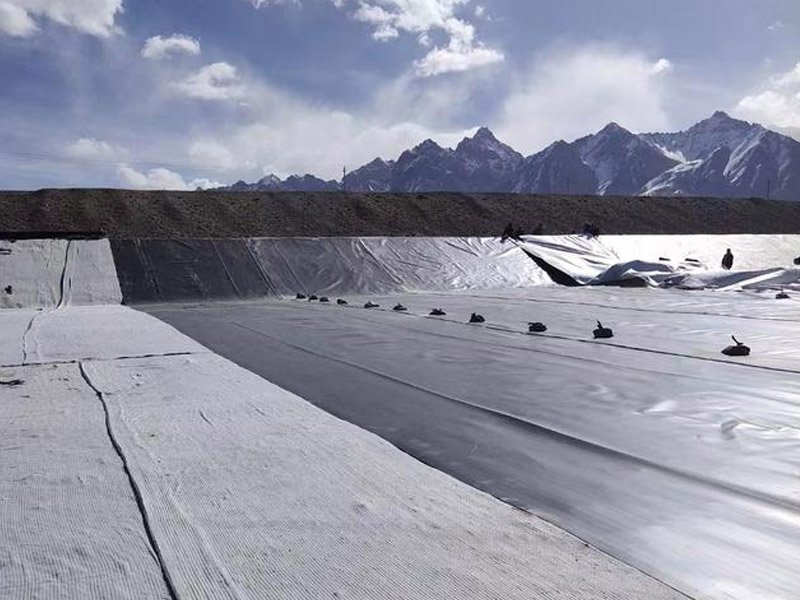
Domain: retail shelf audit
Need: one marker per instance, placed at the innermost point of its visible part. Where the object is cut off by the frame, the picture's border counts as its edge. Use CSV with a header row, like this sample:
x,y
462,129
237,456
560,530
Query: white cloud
x,y
770,108
158,47
154,179
662,65
287,135
421,18
262,3
159,179
217,81
212,155
449,60
203,184
15,21
776,103
789,79
381,18
281,132
462,52
92,17
93,150
323,142
440,103
571,94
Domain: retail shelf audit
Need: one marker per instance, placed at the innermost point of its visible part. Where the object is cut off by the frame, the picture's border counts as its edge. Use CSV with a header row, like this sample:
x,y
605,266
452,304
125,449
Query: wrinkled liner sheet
x,y
689,262
198,270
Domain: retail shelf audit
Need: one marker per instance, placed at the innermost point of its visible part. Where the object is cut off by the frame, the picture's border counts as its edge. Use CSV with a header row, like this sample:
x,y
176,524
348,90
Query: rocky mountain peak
x,y
721,120
614,129
484,134
483,145
270,179
428,146
719,156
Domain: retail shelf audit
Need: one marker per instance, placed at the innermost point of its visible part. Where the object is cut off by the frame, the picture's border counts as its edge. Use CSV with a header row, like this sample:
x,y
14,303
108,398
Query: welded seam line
x,y
554,336
25,339
267,280
506,346
596,342
148,265
60,303
713,483
699,313
385,268
74,361
308,306
61,285
137,493
288,265
225,268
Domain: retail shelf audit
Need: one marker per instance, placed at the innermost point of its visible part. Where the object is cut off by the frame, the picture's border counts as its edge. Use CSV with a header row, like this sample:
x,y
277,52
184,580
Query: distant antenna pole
x,y
344,174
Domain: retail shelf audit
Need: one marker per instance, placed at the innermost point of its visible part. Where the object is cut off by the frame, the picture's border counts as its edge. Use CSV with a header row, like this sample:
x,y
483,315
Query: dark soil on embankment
x,y
138,214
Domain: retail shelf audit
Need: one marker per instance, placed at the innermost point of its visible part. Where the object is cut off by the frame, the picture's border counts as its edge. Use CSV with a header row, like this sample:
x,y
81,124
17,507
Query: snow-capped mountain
x,y
729,157
719,156
703,138
622,162
702,177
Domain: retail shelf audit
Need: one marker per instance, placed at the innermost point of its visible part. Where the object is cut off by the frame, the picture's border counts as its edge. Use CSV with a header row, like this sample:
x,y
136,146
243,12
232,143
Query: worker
x,y
727,260
508,232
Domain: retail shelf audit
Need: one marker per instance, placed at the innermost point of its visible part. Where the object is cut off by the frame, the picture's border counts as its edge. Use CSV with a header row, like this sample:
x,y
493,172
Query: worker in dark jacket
x,y
727,260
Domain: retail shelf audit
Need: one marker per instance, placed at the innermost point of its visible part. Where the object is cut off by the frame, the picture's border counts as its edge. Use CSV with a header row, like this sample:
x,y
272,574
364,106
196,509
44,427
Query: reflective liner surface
x,y
651,445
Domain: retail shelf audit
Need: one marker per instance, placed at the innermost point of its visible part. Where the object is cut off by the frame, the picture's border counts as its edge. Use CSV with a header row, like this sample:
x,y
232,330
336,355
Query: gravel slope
x,y
125,214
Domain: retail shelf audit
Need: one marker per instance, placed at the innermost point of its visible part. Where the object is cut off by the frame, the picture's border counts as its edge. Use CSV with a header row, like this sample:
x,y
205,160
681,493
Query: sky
x,y
180,94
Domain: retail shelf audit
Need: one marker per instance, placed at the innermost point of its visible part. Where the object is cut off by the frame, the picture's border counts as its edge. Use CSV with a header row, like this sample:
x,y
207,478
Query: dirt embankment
x,y
129,214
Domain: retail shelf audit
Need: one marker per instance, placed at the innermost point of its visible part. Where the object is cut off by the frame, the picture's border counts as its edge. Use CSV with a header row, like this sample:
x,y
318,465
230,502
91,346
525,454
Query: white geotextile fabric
x,y
48,273
85,332
69,525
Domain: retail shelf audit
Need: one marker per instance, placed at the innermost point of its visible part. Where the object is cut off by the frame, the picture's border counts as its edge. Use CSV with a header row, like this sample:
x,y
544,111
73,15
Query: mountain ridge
x,y
719,156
